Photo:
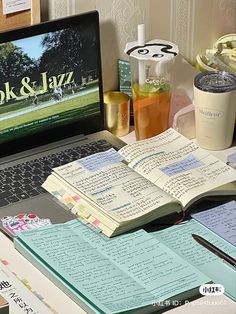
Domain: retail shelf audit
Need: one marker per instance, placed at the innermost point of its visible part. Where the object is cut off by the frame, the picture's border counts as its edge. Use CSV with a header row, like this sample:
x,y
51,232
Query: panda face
x,y
150,51
153,50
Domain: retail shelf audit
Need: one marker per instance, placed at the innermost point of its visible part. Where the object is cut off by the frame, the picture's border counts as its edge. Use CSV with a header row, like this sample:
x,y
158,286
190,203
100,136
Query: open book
x,y
132,273
146,180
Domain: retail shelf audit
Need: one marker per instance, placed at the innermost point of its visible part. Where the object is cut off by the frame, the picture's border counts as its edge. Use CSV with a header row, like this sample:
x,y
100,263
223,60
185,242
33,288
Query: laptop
x,y
50,113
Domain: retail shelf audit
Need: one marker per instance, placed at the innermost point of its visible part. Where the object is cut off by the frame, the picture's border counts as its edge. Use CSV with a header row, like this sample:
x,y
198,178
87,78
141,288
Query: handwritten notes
x,y
157,143
188,163
170,142
116,275
178,166
113,186
179,239
221,220
100,160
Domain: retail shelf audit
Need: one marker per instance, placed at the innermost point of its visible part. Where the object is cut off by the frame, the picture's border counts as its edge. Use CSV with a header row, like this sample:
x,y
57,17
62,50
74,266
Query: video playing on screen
x,y
48,80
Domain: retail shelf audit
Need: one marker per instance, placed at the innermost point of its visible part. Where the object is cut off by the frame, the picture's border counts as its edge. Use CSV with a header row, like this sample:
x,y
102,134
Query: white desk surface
x,y
63,304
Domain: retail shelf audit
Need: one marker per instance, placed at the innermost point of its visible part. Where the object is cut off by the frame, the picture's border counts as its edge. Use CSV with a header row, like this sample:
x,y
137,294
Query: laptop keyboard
x,y
24,180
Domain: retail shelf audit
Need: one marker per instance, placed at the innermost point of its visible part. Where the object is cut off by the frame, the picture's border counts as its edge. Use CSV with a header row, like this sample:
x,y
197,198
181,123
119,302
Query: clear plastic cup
x,y
151,76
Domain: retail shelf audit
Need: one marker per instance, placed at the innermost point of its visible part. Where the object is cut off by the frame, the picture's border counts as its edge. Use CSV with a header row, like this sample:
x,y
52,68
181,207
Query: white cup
x,y
215,109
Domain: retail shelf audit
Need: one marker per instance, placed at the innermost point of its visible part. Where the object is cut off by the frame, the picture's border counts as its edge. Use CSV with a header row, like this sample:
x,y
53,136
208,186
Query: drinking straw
x,y
141,64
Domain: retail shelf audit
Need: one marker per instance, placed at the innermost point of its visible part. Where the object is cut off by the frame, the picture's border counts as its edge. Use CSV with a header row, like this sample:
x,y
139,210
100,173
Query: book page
x,y
179,239
221,220
115,275
21,300
113,186
178,166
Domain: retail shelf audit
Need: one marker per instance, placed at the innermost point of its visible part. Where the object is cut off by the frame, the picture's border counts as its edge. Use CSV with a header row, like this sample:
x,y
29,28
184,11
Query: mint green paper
x,y
179,239
114,275
55,277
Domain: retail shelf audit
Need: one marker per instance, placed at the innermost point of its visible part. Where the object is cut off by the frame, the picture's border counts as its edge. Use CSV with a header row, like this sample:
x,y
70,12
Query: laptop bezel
x,y
85,126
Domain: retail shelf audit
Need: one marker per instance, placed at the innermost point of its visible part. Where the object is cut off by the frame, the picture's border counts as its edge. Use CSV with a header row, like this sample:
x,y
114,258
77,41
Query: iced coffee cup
x,y
151,72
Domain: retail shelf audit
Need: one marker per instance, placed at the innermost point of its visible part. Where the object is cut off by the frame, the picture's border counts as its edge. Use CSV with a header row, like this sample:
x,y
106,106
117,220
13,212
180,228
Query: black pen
x,y
215,250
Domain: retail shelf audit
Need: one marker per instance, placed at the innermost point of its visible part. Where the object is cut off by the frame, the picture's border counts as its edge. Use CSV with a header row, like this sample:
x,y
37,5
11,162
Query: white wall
x,y
193,25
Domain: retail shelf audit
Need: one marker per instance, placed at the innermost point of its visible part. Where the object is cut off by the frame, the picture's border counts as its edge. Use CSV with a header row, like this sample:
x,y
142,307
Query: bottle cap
x,y
215,81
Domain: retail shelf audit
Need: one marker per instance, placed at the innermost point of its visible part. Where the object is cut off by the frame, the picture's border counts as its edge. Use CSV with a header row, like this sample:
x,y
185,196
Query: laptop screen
x,y
50,82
